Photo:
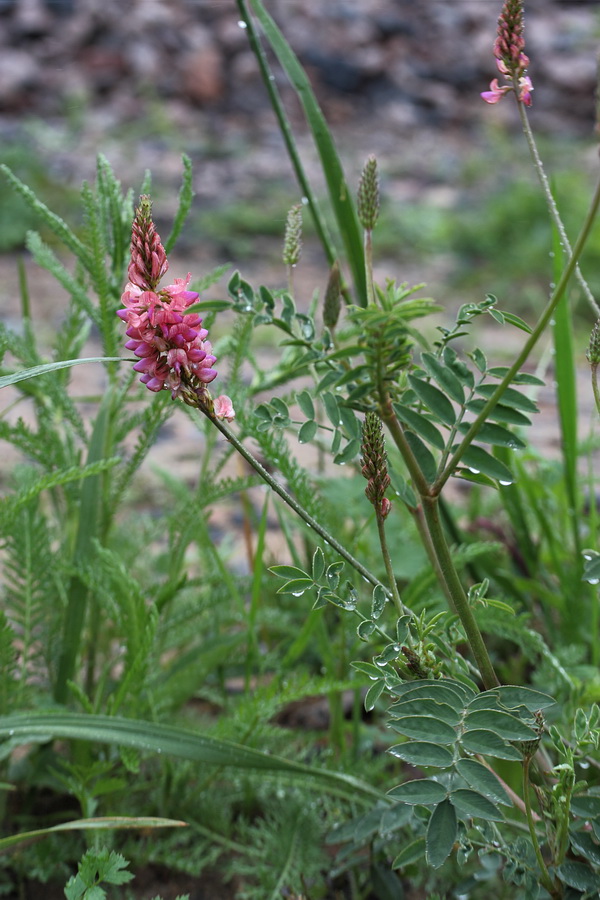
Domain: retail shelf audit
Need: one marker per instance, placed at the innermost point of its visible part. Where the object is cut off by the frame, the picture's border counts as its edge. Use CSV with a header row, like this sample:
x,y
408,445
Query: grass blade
x,y
339,194
181,743
103,823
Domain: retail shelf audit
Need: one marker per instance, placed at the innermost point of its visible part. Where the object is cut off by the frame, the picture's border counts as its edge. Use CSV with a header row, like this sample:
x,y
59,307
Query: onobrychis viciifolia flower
x,y
510,59
374,464
172,347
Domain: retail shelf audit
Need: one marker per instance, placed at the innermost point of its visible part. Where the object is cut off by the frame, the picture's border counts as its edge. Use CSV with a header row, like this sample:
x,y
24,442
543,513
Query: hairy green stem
x,y
552,207
388,565
595,388
544,874
297,507
454,584
527,347
369,266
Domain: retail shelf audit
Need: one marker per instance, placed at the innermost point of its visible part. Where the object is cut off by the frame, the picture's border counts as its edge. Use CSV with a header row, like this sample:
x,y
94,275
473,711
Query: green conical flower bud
x,y
292,243
333,297
593,353
374,464
368,195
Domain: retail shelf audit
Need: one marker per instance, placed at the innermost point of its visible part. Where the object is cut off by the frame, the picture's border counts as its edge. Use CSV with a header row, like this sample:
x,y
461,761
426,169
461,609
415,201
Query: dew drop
x,y
505,483
297,593
588,555
305,201
584,765
11,732
551,254
474,471
594,580
242,24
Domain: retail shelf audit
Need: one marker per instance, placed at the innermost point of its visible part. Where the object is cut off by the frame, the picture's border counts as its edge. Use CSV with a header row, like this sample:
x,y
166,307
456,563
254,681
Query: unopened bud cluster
x,y
374,464
593,352
368,195
292,242
333,297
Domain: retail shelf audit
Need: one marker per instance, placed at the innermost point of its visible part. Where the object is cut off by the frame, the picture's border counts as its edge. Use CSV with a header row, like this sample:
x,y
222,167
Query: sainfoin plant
x,y
476,659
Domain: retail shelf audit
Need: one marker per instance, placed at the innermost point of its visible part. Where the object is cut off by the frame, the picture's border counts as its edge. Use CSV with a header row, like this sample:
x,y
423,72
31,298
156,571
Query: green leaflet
x,y
441,834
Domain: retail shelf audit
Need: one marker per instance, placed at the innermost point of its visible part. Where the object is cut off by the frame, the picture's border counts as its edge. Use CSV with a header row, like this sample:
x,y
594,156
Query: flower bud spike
x,y
374,464
368,195
333,297
292,243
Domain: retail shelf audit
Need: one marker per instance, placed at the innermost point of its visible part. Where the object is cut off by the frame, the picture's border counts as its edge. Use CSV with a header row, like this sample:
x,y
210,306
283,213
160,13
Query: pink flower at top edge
x,y
511,61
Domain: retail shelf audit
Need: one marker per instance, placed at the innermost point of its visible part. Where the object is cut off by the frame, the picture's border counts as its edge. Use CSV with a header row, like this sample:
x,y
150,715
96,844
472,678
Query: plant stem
x,y
527,347
459,598
297,507
544,874
423,530
388,565
595,388
552,207
369,266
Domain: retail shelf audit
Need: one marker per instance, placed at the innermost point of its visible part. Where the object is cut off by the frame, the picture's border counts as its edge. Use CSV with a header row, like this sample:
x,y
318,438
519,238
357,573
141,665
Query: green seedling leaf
x,y
411,853
503,724
365,629
307,432
586,807
474,805
378,602
305,402
497,435
446,379
421,707
425,728
421,792
478,459
481,779
420,425
423,753
500,413
434,400
423,456
318,564
373,694
513,696
520,377
510,397
297,587
489,744
288,572
441,834
579,876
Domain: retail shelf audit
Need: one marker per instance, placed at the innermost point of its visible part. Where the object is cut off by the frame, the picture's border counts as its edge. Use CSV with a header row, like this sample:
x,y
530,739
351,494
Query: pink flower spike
x,y
224,408
495,93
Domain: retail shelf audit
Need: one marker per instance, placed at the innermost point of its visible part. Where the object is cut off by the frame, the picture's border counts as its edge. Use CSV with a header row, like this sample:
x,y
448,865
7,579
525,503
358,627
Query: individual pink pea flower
x,y
171,346
224,408
495,93
511,61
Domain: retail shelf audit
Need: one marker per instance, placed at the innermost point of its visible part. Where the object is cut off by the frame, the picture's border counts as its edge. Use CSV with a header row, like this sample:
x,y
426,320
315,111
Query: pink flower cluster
x,y
171,345
511,61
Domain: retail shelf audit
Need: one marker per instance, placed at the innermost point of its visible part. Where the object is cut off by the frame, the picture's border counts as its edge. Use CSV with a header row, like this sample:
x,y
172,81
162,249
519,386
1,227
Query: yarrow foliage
x,y
510,58
173,350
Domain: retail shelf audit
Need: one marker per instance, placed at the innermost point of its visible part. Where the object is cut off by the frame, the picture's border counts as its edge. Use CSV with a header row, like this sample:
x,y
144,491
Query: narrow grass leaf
x,y
105,823
339,194
155,737
23,375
